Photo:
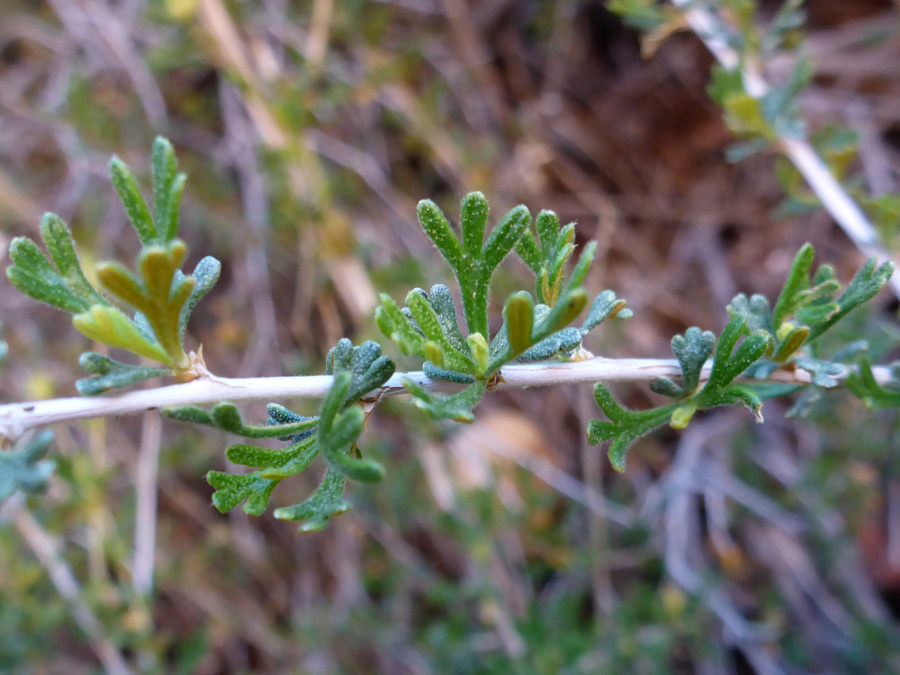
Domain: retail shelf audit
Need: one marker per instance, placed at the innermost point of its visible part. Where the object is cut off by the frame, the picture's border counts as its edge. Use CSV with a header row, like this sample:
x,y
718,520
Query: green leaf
x,y
503,239
231,490
561,343
58,240
428,321
624,426
130,196
797,281
756,309
398,328
368,369
168,186
33,275
692,351
23,468
438,229
457,407
473,215
160,295
519,322
338,431
227,416
863,287
112,374
436,373
528,250
475,267
823,372
327,501
793,340
111,327
605,306
864,385
443,305
277,463
205,276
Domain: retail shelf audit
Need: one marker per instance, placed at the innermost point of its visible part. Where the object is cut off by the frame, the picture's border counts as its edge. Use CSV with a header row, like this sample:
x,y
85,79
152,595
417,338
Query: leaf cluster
x,y
758,340
692,350
160,295
427,326
809,305
332,434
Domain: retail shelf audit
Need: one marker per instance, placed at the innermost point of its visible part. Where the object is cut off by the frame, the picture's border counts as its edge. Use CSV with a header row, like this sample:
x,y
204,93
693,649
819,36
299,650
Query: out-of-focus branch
x,y
836,200
46,550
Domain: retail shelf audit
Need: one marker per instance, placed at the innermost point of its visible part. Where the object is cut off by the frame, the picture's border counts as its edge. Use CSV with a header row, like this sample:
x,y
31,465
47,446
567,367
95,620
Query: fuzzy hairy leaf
x,y
255,488
112,374
475,259
457,407
65,287
337,433
168,186
111,327
205,276
227,417
823,372
862,288
232,489
368,368
437,373
692,350
327,501
624,426
130,196
158,295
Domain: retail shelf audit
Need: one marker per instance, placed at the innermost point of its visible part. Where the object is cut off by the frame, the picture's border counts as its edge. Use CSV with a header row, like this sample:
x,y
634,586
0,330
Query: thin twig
x,y
17,418
145,518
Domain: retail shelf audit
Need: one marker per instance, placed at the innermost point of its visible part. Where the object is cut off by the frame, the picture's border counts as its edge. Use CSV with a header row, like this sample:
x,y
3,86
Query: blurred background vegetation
x,y
309,130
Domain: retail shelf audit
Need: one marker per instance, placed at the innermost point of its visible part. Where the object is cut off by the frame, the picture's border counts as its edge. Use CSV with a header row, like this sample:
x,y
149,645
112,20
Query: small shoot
x,y
427,326
332,434
474,259
161,296
692,350
807,307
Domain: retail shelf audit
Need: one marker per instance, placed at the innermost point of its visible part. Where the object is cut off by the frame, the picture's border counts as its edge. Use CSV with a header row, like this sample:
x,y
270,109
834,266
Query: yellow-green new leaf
x,y
111,327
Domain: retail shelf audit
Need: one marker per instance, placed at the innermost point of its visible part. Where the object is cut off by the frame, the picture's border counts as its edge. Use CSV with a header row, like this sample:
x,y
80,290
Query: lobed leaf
x,y
227,417
327,501
112,374
338,431
231,490
457,407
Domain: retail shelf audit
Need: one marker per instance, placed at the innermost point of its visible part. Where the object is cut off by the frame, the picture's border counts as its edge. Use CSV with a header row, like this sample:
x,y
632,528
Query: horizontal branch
x,y
17,418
